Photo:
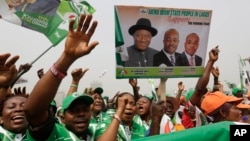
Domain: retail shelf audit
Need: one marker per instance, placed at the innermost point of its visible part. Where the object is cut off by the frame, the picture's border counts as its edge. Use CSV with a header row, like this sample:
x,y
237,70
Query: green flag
x,y
118,40
66,11
49,17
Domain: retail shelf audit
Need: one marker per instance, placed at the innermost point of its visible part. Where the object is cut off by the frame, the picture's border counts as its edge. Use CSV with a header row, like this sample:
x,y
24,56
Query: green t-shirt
x,y
6,135
144,126
59,133
111,112
123,131
102,116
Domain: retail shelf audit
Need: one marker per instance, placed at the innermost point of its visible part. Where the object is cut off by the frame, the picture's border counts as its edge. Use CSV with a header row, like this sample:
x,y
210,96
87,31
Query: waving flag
x,y
49,17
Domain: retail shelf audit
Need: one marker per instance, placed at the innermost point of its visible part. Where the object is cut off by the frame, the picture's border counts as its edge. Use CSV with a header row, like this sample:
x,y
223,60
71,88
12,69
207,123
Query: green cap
x,y
98,90
75,96
235,90
150,97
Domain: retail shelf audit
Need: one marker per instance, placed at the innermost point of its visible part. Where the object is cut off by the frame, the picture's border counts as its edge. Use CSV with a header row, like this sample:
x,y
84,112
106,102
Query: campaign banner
x,y
157,42
50,17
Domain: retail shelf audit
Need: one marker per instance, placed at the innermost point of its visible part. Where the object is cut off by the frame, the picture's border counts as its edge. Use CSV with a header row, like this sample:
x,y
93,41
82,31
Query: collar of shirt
x,y
168,55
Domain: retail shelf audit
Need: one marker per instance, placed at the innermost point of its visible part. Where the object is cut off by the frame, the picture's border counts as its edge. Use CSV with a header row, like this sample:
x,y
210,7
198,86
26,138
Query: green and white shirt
x,y
102,116
6,135
124,133
145,126
59,133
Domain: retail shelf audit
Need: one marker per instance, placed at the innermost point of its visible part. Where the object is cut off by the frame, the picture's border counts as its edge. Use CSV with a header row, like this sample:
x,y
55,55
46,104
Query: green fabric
x,y
60,133
74,96
189,94
235,90
6,135
211,132
144,127
95,120
111,112
137,131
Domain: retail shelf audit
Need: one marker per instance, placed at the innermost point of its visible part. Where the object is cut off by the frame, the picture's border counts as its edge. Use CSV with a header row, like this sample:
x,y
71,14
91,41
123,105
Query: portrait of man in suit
x,y
140,53
167,56
188,57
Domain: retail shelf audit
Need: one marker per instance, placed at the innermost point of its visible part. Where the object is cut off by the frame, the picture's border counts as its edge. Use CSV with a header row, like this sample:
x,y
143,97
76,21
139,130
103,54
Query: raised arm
x,y
180,90
77,45
215,71
8,69
110,133
8,72
161,91
22,70
133,83
77,75
201,86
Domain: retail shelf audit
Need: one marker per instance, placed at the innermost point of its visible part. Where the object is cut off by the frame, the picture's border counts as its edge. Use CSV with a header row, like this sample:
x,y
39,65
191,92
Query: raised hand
x,y
214,54
77,42
133,82
40,73
180,86
19,91
13,3
78,73
8,69
24,67
215,72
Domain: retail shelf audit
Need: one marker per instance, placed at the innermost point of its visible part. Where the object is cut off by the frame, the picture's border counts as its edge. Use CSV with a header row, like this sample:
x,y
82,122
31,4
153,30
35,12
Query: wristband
x,y
216,87
57,73
73,85
117,117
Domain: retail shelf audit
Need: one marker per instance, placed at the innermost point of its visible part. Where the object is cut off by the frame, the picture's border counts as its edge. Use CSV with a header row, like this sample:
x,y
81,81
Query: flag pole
x,y
41,54
25,70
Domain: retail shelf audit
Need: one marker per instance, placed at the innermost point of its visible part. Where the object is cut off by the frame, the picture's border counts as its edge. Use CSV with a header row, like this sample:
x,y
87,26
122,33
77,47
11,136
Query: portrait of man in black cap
x,y
140,54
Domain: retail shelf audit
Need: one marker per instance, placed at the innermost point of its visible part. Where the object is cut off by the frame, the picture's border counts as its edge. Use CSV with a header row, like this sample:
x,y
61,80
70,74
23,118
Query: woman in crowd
x,y
121,127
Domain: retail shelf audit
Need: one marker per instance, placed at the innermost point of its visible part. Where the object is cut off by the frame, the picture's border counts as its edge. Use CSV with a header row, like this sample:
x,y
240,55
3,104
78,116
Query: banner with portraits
x,y
156,42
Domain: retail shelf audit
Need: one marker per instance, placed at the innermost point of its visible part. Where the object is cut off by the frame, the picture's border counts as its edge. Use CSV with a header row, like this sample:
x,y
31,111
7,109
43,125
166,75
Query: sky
x,y
229,29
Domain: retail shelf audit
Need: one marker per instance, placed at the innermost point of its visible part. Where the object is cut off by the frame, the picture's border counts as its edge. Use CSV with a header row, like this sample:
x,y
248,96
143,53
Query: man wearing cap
x,y
140,54
76,114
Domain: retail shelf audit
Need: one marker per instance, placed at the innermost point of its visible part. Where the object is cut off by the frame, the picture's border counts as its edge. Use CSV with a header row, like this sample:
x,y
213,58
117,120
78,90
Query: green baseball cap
x,y
150,97
75,96
235,90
